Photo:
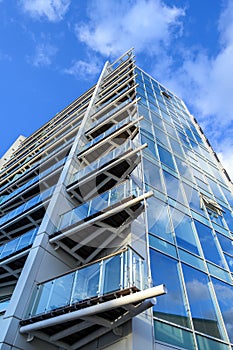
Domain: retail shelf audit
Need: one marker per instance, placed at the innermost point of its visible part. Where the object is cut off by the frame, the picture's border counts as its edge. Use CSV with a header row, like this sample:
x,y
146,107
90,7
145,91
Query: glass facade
x,y
122,178
190,244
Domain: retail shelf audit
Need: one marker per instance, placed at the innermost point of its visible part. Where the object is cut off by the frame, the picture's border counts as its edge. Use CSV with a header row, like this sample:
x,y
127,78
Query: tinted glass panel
x,y
152,175
184,231
174,188
171,306
201,304
158,220
208,243
166,157
174,336
224,294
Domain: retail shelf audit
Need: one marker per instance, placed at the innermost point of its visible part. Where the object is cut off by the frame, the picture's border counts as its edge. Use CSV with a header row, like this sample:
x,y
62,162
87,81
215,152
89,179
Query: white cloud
x,y
43,55
114,27
205,83
84,69
53,10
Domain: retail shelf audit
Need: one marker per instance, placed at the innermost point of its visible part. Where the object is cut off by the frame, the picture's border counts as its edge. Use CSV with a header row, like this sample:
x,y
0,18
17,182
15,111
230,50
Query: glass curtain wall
x,y
190,240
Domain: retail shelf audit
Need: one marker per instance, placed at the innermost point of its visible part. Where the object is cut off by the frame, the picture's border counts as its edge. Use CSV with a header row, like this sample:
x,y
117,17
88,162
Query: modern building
x,y
117,200
8,154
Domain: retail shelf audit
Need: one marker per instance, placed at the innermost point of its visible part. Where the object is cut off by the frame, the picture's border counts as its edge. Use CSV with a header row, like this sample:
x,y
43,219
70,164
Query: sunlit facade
x,y
119,199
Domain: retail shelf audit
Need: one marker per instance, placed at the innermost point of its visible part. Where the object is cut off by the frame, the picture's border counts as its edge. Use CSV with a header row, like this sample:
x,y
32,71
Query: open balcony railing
x,y
17,244
26,206
101,162
99,204
31,182
106,133
121,273
109,114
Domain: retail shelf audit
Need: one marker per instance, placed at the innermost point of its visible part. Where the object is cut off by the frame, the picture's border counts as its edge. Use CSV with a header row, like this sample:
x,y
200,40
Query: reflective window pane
x,y
158,220
112,271
152,175
183,228
170,307
87,283
209,344
208,243
174,336
201,304
174,187
166,157
224,294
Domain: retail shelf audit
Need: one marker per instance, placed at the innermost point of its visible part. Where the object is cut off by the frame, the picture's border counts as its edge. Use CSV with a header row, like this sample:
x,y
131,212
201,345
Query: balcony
x,y
112,138
84,304
12,257
105,172
27,214
43,177
86,230
18,244
115,115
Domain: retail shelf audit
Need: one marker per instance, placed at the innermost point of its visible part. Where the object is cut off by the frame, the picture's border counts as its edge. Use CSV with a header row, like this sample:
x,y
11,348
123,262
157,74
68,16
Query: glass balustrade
x,y
40,161
100,162
18,244
32,181
110,113
98,204
28,205
3,305
113,97
122,271
106,133
39,151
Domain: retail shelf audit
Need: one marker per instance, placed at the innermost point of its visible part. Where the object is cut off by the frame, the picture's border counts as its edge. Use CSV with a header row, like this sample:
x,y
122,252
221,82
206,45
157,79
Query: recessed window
x,y
211,205
164,93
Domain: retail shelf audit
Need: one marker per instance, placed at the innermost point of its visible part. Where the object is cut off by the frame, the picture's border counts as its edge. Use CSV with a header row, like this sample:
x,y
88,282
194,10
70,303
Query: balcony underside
x,y
76,326
11,267
86,239
105,122
107,144
105,178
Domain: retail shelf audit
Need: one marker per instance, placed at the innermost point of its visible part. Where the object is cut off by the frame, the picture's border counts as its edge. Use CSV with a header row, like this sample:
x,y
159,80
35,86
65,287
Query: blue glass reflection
x,y
224,293
158,219
166,157
184,231
170,307
208,243
202,308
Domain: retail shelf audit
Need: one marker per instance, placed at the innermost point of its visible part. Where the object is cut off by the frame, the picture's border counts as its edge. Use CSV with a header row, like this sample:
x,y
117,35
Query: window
x,y
164,93
208,243
224,294
170,307
166,157
201,305
211,205
183,228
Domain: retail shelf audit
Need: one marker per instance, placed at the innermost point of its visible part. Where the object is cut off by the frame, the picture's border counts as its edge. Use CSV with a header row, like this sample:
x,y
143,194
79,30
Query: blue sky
x,y
51,51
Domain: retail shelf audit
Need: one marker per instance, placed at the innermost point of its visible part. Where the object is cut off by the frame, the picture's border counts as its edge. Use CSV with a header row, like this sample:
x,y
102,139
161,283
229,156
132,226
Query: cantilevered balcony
x,y
12,257
17,245
112,138
86,230
105,172
45,179
113,115
27,214
77,307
